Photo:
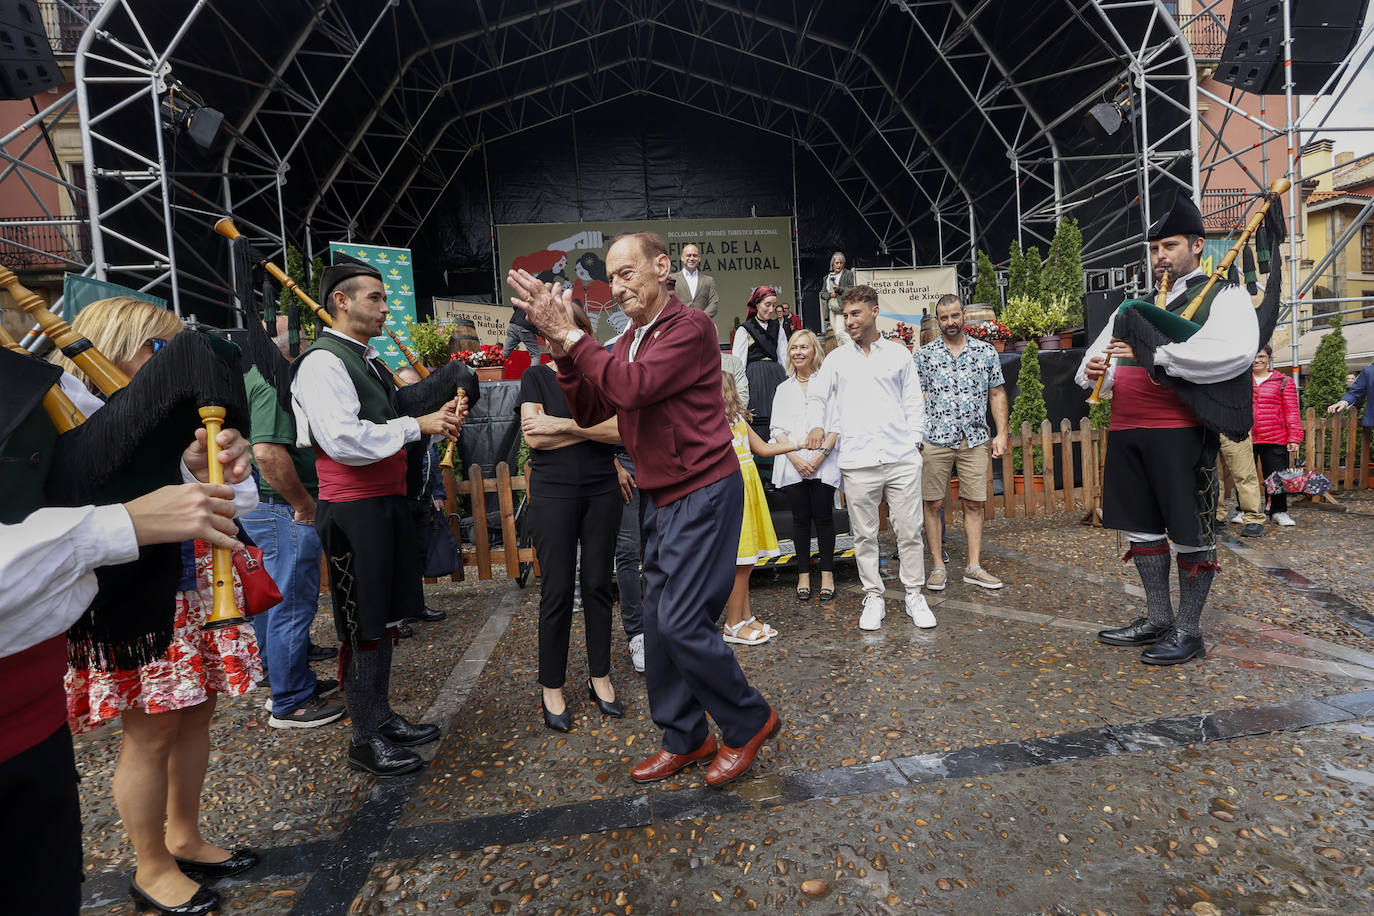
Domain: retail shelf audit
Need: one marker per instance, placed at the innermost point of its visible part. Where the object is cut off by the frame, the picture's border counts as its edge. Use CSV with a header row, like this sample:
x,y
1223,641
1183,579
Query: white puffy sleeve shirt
x,y
789,418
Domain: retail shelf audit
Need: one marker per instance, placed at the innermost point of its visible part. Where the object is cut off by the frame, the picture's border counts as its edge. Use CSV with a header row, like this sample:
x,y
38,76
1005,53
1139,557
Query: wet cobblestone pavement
x,y
1001,763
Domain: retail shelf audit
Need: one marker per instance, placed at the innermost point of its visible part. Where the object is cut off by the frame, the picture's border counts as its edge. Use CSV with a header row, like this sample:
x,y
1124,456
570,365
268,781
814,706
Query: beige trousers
x,y
864,490
1238,460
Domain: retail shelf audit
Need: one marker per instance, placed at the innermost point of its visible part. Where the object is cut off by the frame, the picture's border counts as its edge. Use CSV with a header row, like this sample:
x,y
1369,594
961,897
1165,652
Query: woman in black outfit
x,y
575,500
761,344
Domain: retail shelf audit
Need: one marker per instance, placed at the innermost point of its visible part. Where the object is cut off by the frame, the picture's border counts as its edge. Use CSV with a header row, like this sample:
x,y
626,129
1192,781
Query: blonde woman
x,y
165,705
808,478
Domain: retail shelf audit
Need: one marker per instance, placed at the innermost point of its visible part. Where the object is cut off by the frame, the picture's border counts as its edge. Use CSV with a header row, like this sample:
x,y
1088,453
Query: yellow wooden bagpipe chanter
x,y
130,447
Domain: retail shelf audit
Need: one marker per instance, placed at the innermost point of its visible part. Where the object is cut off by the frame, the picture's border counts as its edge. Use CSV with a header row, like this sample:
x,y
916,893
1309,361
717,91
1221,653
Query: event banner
x,y
907,294
739,253
489,320
398,280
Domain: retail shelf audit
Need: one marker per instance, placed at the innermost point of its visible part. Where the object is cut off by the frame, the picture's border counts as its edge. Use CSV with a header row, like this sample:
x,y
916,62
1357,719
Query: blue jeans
x,y
291,553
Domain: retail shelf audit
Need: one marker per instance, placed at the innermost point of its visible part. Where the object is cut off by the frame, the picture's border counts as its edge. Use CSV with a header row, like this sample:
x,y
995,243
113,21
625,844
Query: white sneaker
x,y
919,611
875,609
1284,519
1238,518
637,652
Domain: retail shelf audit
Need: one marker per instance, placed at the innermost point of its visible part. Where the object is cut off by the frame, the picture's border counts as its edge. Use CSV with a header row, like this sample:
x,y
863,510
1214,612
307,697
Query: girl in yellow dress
x,y
756,536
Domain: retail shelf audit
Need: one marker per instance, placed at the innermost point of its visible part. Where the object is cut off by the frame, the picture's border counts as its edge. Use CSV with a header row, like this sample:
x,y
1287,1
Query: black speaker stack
x,y
27,65
1324,32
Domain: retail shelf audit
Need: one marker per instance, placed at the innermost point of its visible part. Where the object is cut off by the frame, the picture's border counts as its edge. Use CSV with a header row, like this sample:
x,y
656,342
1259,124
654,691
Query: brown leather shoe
x,y
665,763
733,762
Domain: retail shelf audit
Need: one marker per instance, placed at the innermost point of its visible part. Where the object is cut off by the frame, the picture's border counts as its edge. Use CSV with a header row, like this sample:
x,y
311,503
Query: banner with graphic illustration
x,y
739,253
398,279
907,294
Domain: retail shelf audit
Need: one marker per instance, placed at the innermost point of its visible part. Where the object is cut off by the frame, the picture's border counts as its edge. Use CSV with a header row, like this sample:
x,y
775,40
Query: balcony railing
x,y
1204,33
66,21
1222,208
27,244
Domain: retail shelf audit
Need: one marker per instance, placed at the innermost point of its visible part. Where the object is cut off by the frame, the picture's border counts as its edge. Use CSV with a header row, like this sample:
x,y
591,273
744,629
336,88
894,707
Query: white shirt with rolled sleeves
x,y
48,563
1223,349
876,399
326,404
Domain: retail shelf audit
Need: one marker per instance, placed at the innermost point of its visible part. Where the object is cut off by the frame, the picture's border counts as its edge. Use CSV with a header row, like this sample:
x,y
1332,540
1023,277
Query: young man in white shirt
x,y
882,427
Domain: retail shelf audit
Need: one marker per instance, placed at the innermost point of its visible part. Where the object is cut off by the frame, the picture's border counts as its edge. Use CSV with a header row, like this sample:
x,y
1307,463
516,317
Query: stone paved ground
x,y
1003,762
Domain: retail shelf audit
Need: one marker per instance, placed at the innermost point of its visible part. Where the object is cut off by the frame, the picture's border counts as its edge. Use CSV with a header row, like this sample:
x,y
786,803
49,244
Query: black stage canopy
x,y
905,132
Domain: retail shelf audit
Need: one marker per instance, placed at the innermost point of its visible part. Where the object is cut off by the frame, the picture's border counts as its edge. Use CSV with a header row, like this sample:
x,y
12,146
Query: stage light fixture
x,y
183,110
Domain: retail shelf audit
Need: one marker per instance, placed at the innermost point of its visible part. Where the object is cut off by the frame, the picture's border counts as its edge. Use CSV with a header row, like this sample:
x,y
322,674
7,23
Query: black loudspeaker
x,y
27,65
1324,32
1098,307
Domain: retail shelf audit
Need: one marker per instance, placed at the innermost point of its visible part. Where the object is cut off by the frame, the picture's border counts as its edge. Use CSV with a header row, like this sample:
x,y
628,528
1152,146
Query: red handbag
x,y
260,593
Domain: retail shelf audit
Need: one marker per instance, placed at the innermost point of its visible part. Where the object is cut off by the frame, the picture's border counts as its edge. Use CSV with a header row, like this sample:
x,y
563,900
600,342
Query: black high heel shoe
x,y
559,723
203,901
608,707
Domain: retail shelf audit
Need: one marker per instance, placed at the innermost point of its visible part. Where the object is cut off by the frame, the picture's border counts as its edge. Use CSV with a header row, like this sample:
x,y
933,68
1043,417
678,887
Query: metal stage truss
x,y
947,125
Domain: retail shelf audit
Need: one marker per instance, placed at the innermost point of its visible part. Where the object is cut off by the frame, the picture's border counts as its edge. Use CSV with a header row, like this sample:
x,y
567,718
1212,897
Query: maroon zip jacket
x,y
668,401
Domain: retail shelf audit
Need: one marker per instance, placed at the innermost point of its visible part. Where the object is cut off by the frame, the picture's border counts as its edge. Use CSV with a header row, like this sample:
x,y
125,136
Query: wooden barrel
x,y
463,336
930,329
828,341
974,313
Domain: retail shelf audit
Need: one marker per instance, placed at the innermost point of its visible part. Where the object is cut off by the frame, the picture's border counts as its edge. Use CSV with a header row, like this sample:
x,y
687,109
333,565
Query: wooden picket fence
x,y
482,555
1072,476
1337,446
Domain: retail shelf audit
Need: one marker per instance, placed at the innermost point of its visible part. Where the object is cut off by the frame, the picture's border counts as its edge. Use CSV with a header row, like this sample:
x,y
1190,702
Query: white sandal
x,y
763,626
731,634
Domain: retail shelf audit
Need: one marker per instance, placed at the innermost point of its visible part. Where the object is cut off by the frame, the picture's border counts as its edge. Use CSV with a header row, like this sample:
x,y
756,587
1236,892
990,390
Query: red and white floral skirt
x,y
198,662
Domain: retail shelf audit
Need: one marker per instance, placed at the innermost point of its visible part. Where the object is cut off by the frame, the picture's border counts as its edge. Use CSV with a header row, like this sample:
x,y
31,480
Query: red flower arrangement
x,y
486,355
904,333
987,330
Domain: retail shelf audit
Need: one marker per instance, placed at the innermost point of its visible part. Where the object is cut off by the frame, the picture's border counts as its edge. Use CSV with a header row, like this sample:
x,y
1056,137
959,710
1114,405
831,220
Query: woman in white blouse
x,y
808,478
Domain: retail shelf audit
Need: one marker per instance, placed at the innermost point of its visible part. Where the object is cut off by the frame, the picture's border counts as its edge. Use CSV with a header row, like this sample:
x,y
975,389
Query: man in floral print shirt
x,y
961,376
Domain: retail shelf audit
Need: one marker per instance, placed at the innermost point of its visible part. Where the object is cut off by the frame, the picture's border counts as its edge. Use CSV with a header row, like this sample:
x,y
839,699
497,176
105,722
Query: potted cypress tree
x,y
1064,271
985,288
1029,407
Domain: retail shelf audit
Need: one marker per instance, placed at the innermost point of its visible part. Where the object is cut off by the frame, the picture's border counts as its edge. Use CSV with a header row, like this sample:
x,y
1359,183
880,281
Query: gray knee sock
x,y
1152,562
1195,574
367,676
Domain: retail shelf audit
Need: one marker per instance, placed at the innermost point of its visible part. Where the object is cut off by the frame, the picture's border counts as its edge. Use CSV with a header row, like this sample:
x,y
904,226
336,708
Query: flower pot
x,y
999,345
1019,346
1049,343
1066,340
489,373
1018,482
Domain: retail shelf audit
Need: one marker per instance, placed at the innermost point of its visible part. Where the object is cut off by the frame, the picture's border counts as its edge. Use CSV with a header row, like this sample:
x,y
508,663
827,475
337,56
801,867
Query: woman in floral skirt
x,y
166,705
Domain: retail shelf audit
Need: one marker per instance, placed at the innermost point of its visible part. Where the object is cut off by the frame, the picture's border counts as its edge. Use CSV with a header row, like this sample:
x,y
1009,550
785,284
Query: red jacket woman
x,y
1278,426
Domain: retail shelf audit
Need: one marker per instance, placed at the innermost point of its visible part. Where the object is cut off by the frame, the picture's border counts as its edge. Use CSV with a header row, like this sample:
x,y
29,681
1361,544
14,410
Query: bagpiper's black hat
x,y
1182,218
343,268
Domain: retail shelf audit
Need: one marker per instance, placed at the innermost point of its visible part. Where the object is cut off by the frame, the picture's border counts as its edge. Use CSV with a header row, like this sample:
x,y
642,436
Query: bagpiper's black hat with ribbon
x,y
343,268
1182,218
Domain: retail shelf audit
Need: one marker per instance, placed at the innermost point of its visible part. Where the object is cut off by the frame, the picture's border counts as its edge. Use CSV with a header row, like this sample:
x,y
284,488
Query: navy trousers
x,y
689,569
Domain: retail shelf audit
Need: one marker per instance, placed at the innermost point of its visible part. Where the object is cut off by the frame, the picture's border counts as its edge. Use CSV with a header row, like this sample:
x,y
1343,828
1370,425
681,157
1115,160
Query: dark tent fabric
x,y
903,133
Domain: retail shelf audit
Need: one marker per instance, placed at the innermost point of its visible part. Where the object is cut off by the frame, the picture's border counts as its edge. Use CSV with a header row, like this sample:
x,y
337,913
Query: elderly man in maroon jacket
x,y
663,384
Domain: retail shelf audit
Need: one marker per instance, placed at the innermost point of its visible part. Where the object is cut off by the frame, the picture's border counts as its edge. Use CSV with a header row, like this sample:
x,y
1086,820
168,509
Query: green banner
x,y
399,282
739,253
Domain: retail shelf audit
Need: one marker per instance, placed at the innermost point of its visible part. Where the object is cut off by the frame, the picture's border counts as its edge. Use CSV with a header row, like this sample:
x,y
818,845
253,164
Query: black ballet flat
x,y
239,860
203,901
559,723
803,593
608,707
826,594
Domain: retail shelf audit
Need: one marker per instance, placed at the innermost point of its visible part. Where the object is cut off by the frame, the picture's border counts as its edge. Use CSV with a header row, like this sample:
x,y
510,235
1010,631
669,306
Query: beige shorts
x,y
940,461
